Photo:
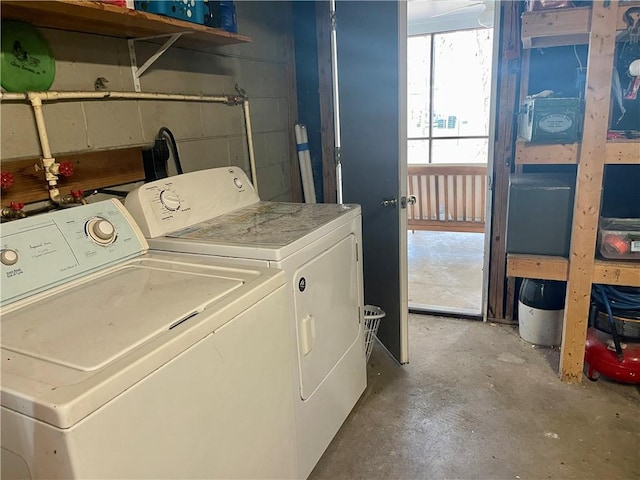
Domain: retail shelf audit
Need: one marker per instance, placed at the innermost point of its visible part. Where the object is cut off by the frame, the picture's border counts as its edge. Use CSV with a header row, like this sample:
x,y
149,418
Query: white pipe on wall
x,y
49,164
304,159
252,158
36,103
106,95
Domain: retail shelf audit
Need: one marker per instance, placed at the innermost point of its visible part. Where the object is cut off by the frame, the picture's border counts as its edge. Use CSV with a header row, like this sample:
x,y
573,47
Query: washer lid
x,y
95,323
70,350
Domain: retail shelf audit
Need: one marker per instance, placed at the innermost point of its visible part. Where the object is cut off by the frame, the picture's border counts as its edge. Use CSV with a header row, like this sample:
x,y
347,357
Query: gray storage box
x,y
539,215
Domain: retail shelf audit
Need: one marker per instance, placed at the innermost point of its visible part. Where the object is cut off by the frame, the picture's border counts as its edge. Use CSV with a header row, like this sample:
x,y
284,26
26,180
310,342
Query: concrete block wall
x,y
208,134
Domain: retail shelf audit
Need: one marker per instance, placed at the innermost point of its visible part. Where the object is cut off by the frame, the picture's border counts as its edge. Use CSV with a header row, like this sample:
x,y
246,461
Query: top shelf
x,y
113,21
566,26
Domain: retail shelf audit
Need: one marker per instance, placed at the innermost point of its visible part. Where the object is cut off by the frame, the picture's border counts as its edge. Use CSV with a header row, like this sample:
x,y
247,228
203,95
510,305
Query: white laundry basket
x,y
372,316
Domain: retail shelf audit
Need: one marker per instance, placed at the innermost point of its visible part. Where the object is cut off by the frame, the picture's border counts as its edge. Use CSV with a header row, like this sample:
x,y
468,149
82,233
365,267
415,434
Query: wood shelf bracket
x,y
138,71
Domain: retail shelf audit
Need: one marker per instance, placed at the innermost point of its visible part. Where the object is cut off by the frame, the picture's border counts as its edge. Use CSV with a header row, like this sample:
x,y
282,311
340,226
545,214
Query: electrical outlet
x,y
155,159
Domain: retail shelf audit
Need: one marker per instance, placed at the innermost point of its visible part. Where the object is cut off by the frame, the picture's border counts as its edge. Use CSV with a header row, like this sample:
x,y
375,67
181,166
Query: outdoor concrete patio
x,y
445,271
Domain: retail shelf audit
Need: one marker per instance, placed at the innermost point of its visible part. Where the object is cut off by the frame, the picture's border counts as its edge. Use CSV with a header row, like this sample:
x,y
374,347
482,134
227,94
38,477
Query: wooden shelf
x,y
566,26
113,21
530,153
557,268
537,266
623,151
616,152
616,273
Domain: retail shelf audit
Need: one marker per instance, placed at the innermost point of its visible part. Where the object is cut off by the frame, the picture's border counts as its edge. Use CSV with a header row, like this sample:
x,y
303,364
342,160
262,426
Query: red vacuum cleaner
x,y
613,339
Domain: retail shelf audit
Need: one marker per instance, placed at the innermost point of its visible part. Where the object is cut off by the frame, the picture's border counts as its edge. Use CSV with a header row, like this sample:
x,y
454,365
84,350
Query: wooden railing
x,y
450,197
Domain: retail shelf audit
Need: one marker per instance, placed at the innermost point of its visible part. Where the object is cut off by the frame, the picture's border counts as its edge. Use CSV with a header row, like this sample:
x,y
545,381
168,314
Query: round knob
x,y
170,200
16,206
66,169
8,257
101,231
76,194
237,182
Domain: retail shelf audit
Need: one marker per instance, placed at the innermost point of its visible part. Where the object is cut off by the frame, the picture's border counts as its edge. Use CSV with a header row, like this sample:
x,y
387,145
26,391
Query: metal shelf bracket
x,y
138,71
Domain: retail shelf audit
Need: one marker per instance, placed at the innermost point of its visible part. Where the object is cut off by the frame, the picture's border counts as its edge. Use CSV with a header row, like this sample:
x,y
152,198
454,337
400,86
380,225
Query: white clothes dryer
x,y
118,363
216,213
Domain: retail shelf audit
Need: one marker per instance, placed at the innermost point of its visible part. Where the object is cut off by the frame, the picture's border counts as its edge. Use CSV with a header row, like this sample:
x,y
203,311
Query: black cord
x,y
164,131
612,323
108,191
625,299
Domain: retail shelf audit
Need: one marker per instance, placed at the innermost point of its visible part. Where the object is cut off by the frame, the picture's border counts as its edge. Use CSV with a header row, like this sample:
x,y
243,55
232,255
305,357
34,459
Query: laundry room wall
x,y
208,134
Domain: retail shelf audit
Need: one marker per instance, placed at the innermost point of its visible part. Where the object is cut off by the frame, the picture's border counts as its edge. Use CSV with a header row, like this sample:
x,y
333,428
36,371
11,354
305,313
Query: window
x,y
449,77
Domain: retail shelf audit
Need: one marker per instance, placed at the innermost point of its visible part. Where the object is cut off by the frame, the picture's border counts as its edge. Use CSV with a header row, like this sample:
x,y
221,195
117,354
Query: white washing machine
x,y
118,363
217,213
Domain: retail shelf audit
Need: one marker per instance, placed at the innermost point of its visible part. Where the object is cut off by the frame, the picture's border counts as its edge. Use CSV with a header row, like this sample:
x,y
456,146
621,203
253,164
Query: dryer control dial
x,y
101,231
170,200
8,257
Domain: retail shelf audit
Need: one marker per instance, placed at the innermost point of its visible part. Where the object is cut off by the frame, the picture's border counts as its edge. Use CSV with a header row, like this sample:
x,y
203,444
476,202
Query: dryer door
x,y
327,311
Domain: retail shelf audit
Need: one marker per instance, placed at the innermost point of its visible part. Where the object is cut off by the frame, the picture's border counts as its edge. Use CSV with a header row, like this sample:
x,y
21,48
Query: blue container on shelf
x,y
221,15
189,10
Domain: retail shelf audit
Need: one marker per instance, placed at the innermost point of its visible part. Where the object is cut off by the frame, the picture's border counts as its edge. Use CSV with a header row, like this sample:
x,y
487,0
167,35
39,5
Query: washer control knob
x,y
170,200
8,257
101,231
237,182
104,230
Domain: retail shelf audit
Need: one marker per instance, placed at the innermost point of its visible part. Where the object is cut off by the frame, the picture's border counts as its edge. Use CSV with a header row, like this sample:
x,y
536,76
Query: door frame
x,y
493,125
424,29
403,175
494,290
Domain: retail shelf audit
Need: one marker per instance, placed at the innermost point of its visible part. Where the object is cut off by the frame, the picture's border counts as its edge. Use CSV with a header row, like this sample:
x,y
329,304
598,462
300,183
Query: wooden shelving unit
x,y
599,26
113,21
554,28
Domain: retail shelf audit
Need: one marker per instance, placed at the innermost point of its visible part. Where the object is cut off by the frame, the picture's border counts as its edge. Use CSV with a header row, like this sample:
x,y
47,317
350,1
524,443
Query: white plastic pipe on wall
x,y
107,95
304,158
48,162
252,157
36,99
36,103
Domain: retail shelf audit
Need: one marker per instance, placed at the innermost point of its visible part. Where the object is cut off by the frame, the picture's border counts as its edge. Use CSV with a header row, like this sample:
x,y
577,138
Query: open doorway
x,y
449,88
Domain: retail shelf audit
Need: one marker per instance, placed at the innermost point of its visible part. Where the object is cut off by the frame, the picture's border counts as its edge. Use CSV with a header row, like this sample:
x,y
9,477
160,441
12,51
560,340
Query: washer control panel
x,y
177,202
43,251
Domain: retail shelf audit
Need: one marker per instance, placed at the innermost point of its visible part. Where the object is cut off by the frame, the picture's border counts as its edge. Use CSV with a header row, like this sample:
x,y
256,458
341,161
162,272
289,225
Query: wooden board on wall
x,y
92,170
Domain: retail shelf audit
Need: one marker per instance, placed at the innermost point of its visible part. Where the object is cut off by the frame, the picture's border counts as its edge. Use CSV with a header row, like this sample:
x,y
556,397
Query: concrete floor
x,y
477,402
445,271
